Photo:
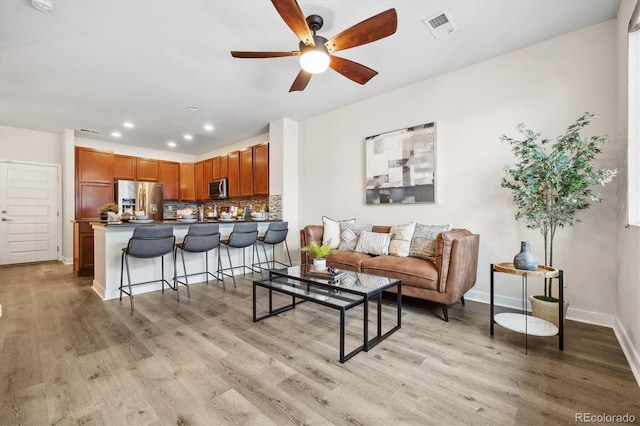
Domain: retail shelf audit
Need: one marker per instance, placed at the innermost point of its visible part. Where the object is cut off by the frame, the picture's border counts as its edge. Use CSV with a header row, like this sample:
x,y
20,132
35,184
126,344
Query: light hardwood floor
x,y
67,357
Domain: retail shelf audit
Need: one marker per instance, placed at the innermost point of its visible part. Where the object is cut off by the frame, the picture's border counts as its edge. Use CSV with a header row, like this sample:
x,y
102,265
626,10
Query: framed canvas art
x,y
400,166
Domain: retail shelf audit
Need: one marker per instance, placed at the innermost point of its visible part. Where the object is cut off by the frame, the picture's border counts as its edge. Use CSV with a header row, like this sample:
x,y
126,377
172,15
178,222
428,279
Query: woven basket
x,y
547,311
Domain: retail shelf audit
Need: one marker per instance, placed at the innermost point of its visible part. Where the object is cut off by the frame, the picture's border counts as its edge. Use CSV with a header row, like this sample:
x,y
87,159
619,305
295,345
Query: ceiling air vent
x,y
93,132
441,24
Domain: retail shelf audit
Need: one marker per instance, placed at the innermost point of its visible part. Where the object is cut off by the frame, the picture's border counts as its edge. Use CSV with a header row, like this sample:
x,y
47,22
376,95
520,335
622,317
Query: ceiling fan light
x,y
314,61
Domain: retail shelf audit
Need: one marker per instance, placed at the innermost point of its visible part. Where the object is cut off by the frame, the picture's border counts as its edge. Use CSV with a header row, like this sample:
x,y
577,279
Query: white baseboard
x,y
579,315
67,260
632,355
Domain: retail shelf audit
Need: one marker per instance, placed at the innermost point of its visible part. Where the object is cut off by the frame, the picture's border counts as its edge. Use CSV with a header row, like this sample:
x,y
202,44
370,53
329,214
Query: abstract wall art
x,y
400,166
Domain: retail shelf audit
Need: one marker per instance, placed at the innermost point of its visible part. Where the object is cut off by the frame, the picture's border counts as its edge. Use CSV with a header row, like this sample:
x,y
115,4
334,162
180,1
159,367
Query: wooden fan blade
x,y
301,81
379,26
292,15
352,70
237,54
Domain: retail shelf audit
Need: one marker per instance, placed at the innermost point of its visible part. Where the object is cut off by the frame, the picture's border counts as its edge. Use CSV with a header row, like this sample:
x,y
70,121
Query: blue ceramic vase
x,y
525,259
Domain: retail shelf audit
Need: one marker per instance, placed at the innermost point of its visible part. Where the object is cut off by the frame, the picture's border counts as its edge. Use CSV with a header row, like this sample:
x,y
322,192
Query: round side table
x,y
521,322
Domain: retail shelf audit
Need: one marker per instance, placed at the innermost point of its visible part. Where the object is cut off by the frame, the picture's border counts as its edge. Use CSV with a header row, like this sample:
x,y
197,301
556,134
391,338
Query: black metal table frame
x,y
363,300
560,278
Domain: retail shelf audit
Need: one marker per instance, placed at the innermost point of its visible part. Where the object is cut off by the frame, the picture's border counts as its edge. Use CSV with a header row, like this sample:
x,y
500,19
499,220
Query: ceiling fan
x,y
315,51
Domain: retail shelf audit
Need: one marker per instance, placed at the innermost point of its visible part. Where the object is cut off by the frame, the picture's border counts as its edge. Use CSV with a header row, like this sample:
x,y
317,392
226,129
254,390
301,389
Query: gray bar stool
x,y
242,236
276,234
201,238
147,242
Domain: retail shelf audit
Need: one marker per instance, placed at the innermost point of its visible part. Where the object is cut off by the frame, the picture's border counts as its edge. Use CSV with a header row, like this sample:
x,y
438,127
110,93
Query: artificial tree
x,y
552,180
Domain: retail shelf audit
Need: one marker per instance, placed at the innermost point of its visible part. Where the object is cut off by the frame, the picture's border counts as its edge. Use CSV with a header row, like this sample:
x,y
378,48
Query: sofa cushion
x,y
373,243
423,243
331,232
412,271
349,233
347,260
401,239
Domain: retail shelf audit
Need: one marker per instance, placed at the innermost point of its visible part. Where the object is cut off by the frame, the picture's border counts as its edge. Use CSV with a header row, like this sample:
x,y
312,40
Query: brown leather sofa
x,y
444,281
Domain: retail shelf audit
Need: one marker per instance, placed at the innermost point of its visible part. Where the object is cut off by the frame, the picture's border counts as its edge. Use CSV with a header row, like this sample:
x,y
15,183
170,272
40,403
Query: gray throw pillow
x,y
423,243
349,233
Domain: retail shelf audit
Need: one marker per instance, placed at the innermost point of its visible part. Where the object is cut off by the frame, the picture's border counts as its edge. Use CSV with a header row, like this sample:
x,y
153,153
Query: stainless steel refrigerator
x,y
133,196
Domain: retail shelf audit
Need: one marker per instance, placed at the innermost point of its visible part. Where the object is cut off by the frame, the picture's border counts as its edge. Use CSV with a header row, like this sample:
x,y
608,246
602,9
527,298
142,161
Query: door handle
x,y
4,219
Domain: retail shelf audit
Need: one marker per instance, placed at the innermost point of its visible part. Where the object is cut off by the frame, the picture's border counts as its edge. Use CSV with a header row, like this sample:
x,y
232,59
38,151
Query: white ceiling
x,y
93,64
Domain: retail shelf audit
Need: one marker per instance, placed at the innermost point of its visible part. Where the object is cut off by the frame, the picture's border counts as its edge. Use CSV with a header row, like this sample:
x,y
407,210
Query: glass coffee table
x,y
351,290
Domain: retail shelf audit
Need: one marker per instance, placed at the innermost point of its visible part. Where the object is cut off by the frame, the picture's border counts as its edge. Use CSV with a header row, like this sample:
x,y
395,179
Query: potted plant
x,y
319,252
109,211
550,183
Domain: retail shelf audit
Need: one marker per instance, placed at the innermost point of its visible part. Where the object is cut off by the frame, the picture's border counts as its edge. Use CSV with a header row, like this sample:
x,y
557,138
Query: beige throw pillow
x,y
373,243
401,236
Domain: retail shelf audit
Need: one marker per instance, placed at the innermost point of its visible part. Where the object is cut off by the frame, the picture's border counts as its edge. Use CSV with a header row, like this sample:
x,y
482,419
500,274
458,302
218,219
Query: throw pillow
x,y
331,232
423,243
349,233
401,239
374,243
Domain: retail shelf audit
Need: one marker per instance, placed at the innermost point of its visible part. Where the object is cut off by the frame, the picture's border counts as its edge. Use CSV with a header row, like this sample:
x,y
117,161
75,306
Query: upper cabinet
x,y
147,169
93,165
216,172
187,182
199,179
207,176
246,172
233,168
224,166
124,167
261,169
169,177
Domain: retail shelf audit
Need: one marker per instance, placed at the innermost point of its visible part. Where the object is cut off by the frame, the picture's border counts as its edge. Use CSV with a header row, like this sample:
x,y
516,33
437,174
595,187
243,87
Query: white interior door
x,y
28,213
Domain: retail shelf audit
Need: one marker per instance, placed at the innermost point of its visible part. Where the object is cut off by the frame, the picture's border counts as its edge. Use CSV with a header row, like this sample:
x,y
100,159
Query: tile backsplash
x,y
273,202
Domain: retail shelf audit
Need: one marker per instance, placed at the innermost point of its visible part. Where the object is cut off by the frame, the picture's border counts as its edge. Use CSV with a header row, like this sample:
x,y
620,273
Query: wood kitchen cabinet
x,y
199,179
90,196
246,172
187,182
93,165
83,258
215,168
207,176
233,164
224,166
261,169
124,167
169,177
146,169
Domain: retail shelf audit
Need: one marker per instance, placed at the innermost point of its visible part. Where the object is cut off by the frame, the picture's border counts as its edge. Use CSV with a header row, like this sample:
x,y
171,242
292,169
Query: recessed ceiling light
x,y
188,137
172,144
193,108
208,127
116,134
128,125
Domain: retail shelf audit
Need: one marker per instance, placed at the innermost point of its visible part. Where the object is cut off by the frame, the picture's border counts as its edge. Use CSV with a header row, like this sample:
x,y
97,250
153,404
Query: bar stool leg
x,y
126,259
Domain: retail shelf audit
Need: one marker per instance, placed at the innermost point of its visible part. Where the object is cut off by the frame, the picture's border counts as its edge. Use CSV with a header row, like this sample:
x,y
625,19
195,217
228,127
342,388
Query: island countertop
x,y
110,238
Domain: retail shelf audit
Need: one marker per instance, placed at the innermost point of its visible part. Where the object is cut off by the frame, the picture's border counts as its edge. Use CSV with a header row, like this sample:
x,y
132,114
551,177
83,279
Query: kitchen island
x,y
110,238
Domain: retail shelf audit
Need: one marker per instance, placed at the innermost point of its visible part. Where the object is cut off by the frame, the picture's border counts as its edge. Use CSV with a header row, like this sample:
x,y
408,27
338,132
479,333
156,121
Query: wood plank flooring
x,y
67,357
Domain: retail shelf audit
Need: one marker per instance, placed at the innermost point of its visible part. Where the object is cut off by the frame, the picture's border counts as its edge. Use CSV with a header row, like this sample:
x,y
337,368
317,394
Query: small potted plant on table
x,y
319,252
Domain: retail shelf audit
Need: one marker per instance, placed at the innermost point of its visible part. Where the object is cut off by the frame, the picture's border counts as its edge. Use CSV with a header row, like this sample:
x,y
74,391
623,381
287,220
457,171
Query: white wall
x,y
30,145
135,151
627,323
546,86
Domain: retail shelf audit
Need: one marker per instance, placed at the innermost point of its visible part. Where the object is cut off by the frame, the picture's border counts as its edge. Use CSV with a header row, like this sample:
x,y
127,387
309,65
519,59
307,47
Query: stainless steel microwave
x,y
218,189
